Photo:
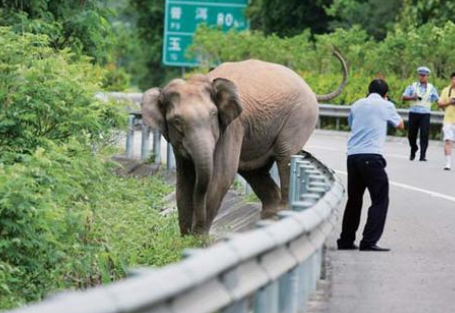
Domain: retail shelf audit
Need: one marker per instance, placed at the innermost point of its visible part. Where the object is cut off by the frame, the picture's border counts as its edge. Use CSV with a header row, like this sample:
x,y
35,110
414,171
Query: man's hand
x,y
401,125
452,101
410,98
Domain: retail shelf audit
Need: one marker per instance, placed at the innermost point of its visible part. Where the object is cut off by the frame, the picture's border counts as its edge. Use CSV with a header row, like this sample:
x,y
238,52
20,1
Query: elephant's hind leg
x,y
265,188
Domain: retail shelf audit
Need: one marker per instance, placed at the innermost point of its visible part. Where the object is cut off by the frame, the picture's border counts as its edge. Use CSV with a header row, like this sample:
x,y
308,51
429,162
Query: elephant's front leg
x,y
184,194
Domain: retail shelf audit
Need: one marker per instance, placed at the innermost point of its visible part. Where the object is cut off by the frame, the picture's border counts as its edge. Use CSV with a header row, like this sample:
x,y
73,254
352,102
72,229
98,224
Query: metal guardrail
x,y
342,111
134,120
271,269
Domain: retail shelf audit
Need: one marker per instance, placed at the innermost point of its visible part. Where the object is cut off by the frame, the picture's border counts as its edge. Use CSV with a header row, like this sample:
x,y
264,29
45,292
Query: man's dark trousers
x,y
419,121
365,171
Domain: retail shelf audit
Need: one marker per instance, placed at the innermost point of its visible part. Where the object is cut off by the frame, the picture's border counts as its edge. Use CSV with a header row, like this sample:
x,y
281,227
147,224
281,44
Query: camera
x,y
419,98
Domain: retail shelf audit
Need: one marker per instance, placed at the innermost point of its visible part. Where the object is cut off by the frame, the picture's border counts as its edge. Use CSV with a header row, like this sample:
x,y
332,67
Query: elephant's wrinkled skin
x,y
241,117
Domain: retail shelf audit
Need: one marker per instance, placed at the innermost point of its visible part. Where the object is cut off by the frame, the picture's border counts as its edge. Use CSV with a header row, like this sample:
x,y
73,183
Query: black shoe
x,y
412,156
423,159
374,248
352,246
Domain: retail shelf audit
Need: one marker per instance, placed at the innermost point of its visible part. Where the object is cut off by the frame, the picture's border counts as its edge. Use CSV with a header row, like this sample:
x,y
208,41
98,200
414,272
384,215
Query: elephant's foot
x,y
200,229
271,212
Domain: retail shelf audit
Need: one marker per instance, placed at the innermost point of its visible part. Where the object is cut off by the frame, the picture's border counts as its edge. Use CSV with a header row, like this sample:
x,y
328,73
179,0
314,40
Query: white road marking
x,y
404,186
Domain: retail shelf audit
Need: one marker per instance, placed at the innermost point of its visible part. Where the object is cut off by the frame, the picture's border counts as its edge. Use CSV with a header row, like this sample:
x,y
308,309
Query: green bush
x,y
46,95
66,219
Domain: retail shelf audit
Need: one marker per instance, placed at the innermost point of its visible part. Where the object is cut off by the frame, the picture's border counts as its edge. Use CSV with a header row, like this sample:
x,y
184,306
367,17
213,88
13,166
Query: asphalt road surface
x,y
418,275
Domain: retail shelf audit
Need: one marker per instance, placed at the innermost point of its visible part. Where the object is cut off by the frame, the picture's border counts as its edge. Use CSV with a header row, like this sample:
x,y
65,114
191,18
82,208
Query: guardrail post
x,y
230,281
238,307
157,146
145,142
274,174
294,188
170,158
130,137
303,289
260,301
266,300
288,292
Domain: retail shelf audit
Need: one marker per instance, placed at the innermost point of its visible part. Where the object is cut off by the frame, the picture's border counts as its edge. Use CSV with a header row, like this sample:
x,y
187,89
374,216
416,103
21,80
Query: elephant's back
x,y
270,94
261,80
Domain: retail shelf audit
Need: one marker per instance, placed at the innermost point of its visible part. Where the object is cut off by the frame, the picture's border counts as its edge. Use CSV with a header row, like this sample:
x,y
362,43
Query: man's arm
x,y
409,94
444,101
434,97
393,117
409,98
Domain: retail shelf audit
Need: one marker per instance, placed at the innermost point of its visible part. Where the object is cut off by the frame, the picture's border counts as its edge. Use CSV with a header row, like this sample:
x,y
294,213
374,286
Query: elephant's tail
x,y
340,88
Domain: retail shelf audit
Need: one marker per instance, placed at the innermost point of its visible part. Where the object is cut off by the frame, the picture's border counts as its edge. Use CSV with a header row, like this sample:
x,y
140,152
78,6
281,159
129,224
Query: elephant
x,y
241,117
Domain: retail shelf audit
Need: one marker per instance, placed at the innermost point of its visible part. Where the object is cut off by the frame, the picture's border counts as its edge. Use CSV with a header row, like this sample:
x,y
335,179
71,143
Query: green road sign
x,y
183,16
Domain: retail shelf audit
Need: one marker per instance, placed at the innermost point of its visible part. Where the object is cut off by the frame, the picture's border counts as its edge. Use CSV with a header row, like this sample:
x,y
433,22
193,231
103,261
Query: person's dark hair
x,y
378,86
452,75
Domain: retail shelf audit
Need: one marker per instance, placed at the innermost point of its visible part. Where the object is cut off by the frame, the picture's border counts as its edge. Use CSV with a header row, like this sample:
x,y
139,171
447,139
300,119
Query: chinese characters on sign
x,y
183,17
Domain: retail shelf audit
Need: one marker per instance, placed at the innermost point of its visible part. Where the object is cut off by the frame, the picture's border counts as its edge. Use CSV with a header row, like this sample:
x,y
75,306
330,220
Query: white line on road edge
x,y
428,192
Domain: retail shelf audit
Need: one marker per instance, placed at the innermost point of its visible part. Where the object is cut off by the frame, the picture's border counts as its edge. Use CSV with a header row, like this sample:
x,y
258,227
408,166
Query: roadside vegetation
x,y
66,219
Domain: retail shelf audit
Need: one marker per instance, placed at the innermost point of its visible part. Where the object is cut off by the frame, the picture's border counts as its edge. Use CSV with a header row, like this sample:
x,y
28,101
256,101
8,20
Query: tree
x,y
80,25
418,12
288,18
149,17
376,17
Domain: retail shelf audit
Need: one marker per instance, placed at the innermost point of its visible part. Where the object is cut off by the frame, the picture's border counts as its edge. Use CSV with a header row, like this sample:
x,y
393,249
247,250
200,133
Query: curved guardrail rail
x,y
271,269
342,112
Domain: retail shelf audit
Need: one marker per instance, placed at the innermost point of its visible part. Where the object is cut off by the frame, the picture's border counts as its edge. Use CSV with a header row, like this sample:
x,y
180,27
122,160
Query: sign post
x,y
182,18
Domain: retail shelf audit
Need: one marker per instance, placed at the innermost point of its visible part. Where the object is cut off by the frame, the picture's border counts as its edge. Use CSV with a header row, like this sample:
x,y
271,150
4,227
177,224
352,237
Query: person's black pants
x,y
365,171
418,121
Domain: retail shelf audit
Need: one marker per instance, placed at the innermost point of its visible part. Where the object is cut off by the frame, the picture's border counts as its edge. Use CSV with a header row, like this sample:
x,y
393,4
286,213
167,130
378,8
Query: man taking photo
x,y
447,102
366,167
420,95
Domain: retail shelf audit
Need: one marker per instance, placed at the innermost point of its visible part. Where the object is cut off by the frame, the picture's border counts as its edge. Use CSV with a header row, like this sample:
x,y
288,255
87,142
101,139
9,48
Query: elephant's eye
x,y
177,123
214,113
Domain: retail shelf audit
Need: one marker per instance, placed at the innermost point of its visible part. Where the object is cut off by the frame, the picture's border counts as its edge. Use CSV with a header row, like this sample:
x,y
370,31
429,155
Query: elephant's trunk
x,y
202,156
340,88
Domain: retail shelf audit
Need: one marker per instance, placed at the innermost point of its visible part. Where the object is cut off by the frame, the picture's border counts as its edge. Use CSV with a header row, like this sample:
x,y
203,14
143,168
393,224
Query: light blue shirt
x,y
410,91
368,121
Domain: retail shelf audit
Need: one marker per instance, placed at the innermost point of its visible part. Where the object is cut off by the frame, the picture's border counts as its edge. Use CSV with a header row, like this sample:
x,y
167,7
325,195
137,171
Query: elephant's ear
x,y
227,100
153,110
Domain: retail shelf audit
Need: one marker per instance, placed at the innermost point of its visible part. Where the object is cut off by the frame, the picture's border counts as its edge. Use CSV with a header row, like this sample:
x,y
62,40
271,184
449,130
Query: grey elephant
x,y
239,118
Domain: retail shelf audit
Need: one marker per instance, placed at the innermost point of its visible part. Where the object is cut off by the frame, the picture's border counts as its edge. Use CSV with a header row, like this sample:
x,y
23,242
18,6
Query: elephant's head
x,y
192,115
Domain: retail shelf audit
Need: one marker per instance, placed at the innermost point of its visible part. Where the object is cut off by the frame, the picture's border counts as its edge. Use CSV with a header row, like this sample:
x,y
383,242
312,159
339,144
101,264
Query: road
x,y
418,275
